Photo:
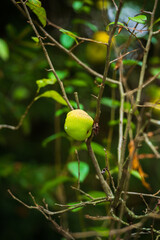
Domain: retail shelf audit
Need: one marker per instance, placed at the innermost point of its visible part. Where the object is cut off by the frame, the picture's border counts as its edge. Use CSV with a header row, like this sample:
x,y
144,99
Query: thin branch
x,y
21,119
77,156
143,68
143,194
121,116
104,184
143,85
77,99
152,147
106,68
58,228
122,56
47,55
81,191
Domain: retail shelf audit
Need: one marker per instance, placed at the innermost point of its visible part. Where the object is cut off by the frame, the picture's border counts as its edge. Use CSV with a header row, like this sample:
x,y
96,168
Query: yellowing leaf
x,y
35,6
136,164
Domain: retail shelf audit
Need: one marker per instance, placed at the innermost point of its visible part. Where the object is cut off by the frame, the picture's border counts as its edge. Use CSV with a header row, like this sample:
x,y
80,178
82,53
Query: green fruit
x,y
78,124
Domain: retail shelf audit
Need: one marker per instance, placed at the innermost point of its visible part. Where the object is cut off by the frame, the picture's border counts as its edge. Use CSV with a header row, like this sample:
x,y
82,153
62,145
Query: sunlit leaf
x,y
35,6
54,95
35,39
70,34
136,174
139,19
44,82
4,51
77,5
66,40
73,169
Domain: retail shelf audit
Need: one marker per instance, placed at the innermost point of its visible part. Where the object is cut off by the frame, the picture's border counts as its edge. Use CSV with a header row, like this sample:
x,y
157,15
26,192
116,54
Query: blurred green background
x,y
36,157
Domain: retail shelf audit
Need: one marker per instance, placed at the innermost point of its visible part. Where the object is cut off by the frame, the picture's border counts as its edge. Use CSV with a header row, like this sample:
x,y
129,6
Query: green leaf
x,y
103,231
158,20
66,40
35,6
93,27
4,51
155,71
77,82
59,112
35,39
131,62
74,104
72,204
52,138
54,95
112,85
136,174
70,34
77,5
20,93
60,73
118,23
51,184
110,102
139,19
44,82
73,169
97,194
116,122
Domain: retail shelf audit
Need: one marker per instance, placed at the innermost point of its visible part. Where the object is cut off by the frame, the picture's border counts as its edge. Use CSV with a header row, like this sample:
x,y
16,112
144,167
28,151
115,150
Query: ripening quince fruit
x,y
96,52
78,124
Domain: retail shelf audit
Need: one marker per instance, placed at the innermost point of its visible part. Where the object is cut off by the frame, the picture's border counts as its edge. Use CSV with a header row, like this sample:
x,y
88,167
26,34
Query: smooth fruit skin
x,y
78,124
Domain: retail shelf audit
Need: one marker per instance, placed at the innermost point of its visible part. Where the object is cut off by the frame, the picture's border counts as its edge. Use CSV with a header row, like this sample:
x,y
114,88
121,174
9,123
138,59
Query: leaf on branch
x,y
73,169
118,23
70,34
35,6
136,164
54,95
44,82
35,39
139,19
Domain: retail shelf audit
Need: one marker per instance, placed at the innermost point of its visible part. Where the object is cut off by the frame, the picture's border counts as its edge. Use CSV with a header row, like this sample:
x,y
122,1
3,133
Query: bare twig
x,y
142,73
104,184
77,99
152,147
58,228
46,55
77,156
